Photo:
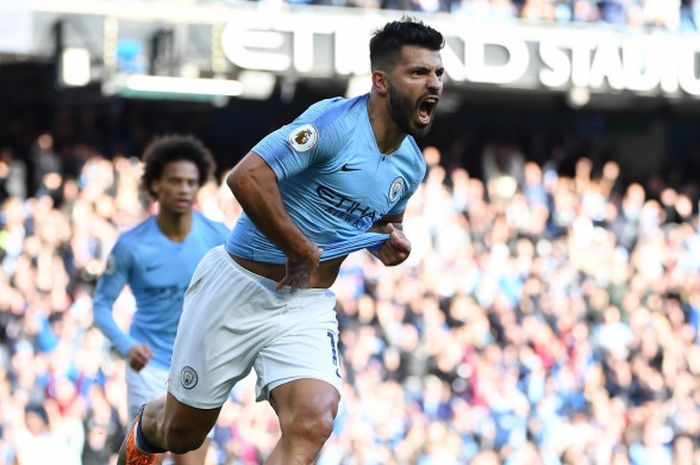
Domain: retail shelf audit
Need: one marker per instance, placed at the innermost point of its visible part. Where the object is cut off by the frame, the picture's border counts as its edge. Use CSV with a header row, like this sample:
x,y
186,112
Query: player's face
x,y
177,187
415,86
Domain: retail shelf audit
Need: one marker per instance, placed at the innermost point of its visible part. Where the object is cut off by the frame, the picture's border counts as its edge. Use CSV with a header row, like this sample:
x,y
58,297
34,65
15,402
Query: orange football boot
x,y
129,454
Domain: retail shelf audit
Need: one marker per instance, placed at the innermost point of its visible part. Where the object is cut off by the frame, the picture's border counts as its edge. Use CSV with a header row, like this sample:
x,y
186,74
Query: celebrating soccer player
x,y
334,181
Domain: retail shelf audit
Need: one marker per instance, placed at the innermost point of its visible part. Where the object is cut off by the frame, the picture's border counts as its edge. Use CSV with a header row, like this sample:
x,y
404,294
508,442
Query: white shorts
x,y
149,383
234,320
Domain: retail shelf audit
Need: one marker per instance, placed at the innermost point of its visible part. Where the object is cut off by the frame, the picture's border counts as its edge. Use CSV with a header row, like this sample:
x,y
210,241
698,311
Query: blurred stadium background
x,y
550,311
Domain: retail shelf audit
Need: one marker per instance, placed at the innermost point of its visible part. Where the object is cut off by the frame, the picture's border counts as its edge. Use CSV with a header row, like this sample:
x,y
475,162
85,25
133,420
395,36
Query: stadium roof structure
x,y
210,50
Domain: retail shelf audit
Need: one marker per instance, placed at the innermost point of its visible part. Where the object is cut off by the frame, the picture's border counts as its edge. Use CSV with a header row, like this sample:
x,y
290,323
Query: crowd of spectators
x,y
541,319
665,14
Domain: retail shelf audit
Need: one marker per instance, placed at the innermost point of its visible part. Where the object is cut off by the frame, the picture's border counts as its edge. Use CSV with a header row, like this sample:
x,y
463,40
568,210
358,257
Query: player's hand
x,y
396,249
300,268
138,356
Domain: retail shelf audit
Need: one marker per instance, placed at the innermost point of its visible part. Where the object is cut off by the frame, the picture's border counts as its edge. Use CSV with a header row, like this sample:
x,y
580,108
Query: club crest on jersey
x,y
396,189
188,377
303,138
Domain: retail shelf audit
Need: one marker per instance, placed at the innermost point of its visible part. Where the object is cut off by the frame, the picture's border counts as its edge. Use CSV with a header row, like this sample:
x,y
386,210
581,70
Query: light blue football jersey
x,y
158,272
334,181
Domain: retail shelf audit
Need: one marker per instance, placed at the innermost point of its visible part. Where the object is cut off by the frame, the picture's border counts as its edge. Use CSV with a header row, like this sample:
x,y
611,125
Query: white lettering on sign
x,y
687,77
642,63
557,71
255,49
476,68
453,63
607,65
519,56
350,58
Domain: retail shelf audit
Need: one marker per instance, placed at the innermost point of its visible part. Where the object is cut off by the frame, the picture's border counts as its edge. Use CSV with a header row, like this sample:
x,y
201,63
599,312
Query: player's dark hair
x,y
167,149
386,43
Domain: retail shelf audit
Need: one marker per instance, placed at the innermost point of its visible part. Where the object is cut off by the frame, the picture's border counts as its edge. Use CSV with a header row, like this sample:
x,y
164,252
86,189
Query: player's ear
x,y
379,81
155,187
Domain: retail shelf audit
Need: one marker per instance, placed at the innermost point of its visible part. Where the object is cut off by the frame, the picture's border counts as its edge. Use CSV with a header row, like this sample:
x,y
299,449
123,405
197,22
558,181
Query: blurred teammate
x,y
334,181
156,259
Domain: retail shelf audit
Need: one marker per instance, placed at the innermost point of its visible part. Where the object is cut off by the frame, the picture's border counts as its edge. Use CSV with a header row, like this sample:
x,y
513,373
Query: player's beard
x,y
402,109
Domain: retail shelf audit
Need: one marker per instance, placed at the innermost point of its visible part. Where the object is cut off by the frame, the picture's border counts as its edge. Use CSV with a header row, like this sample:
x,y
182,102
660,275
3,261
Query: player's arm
x,y
109,286
254,184
396,249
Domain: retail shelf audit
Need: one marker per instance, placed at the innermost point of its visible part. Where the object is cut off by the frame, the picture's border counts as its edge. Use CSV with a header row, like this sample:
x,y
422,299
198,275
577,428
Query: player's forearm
x,y
255,188
102,315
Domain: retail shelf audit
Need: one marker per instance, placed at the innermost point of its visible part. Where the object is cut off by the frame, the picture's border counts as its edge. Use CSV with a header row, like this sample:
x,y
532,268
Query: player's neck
x,y
386,133
174,226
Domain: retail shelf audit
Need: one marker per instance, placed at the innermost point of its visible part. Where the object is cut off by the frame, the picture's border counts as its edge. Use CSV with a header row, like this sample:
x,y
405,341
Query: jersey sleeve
x,y
109,286
222,232
310,139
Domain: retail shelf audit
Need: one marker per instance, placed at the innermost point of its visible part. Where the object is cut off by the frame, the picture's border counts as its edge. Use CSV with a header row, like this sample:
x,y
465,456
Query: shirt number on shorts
x,y
334,352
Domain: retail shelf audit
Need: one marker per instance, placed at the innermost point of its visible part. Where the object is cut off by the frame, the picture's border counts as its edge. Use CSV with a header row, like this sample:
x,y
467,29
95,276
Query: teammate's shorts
x,y
149,383
234,320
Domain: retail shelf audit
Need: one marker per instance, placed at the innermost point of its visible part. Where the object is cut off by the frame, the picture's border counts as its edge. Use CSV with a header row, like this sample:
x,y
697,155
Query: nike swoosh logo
x,y
345,167
150,268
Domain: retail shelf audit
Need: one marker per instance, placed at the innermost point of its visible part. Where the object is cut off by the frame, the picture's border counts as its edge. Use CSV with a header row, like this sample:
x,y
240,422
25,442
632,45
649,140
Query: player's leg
x,y
193,457
299,373
220,333
169,424
306,409
165,424
155,378
150,383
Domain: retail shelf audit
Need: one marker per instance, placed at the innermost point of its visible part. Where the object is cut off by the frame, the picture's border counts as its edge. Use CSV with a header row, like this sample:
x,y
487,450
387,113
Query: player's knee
x,y
314,426
183,438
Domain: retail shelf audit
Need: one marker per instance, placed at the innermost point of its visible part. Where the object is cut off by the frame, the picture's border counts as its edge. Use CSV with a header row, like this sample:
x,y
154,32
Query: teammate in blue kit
x,y
156,259
334,181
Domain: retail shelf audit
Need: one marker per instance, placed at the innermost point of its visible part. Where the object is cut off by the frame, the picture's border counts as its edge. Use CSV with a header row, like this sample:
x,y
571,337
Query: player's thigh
x,y
306,348
227,318
142,386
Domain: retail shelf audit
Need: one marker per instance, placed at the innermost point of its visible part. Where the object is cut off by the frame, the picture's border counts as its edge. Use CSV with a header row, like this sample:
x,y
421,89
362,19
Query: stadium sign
x,y
213,39
522,57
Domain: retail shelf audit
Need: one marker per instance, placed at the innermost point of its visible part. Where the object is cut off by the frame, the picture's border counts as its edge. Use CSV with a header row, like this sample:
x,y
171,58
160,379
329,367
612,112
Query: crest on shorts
x,y
303,138
396,189
188,377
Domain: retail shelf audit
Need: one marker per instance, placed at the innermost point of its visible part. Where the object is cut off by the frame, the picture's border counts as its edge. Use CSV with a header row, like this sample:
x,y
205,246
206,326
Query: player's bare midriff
x,y
324,277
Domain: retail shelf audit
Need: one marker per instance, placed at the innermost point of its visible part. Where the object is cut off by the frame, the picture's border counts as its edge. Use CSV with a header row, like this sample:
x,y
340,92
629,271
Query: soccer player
x,y
156,259
335,180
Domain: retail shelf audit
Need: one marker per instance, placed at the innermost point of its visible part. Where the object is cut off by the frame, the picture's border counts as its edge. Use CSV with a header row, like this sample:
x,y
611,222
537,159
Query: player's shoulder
x,y
137,233
129,241
328,125
216,228
332,111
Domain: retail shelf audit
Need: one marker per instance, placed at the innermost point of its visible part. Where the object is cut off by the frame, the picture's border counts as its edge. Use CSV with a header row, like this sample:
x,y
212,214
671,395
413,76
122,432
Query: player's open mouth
x,y
426,108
